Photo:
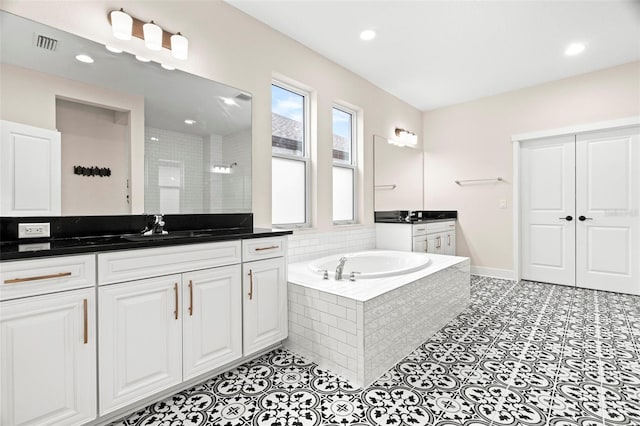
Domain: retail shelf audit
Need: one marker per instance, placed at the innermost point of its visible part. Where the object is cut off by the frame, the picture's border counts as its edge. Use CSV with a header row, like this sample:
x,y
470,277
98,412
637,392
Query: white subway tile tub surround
x,y
361,329
307,245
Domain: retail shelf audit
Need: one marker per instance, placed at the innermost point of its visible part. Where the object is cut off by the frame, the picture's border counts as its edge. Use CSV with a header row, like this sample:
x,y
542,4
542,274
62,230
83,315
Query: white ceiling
x,y
437,53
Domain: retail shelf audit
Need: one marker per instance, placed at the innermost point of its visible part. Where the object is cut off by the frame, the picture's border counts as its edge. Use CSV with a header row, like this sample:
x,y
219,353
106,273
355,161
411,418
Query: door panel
x,y
607,195
212,319
547,198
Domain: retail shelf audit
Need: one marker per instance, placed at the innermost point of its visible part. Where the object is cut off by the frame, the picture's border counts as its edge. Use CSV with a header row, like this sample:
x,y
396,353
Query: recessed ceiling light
x,y
168,67
189,121
142,58
574,49
368,35
113,49
84,58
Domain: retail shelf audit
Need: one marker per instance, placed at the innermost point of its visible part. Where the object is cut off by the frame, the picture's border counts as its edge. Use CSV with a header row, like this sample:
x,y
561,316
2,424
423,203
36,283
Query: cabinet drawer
x,y
31,277
129,265
263,248
419,229
441,226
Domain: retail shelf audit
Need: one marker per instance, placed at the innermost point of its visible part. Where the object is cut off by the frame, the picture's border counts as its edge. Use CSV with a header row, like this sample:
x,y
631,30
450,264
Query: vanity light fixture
x,y
142,58
121,24
155,38
179,46
168,67
84,58
223,169
153,138
189,121
152,36
404,138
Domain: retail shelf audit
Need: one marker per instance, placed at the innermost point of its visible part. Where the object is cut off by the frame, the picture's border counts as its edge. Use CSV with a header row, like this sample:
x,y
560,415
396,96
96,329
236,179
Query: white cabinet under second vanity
x,y
85,338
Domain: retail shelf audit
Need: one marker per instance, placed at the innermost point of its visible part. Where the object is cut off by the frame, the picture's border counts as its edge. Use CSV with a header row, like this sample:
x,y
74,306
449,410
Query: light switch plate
x,y
503,204
34,230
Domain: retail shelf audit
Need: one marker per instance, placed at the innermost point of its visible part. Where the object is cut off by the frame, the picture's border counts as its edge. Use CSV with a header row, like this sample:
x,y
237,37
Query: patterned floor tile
x,y
527,354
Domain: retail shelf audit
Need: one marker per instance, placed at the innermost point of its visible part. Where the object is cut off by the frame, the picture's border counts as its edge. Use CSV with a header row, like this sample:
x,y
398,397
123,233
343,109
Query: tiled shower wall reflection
x,y
178,177
307,246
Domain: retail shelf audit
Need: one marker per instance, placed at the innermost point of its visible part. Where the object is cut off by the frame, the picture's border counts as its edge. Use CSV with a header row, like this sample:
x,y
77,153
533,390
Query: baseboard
x,y
506,274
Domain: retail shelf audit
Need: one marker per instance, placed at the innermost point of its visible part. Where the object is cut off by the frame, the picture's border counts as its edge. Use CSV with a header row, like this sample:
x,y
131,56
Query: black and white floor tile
x,y
524,354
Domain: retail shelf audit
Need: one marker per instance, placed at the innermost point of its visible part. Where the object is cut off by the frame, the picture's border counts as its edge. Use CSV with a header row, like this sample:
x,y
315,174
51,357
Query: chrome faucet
x,y
339,268
157,228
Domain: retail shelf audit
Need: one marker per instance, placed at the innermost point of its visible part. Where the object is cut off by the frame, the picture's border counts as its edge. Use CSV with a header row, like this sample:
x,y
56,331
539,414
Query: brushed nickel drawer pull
x,y
267,248
250,284
190,298
85,319
175,289
39,277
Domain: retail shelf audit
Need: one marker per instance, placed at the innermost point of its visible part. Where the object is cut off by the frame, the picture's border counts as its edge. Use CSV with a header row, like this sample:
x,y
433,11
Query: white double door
x,y
580,210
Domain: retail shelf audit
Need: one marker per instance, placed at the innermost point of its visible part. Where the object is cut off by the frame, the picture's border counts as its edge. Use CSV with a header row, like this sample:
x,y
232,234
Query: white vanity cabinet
x,y
264,293
441,237
48,342
438,237
158,332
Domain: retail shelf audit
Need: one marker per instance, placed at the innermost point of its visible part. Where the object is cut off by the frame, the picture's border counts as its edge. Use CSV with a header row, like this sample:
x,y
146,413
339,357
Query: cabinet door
x,y
435,243
449,243
140,331
48,359
30,173
264,285
212,319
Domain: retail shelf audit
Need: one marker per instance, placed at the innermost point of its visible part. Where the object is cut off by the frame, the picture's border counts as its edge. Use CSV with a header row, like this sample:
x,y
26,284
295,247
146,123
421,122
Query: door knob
x,y
568,218
582,218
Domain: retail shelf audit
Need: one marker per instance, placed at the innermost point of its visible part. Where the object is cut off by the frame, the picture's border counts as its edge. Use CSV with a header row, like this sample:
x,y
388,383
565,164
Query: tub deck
x,y
360,330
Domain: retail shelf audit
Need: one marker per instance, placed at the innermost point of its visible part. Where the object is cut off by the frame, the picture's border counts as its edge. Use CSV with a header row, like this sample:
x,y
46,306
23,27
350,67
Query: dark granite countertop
x,y
27,249
415,222
92,234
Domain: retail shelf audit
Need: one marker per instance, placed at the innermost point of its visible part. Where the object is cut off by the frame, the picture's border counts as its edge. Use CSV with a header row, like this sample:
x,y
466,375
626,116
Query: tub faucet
x,y
339,268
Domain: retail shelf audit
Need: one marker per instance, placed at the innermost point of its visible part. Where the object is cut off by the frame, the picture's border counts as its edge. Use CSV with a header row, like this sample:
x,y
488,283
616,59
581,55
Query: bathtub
x,y
372,263
359,329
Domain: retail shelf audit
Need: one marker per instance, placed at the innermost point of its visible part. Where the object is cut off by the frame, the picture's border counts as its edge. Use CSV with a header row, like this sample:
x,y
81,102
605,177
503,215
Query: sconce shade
x,y
405,138
179,46
121,24
152,36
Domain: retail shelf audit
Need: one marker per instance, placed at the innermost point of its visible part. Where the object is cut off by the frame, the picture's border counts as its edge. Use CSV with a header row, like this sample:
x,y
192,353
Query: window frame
x,y
305,158
353,165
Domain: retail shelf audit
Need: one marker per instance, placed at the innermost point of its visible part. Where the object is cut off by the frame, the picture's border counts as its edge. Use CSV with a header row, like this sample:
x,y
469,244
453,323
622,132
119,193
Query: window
x,y
344,166
290,156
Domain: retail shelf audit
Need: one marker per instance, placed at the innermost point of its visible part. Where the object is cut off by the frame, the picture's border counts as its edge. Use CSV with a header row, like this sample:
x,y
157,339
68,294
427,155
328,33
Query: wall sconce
x,y
223,169
124,26
404,138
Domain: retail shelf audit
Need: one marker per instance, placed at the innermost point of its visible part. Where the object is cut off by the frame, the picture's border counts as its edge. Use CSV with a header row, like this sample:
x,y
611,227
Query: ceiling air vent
x,y
45,42
243,97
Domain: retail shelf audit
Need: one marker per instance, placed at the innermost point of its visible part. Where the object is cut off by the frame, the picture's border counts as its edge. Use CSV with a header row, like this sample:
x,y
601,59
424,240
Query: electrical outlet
x,y
33,230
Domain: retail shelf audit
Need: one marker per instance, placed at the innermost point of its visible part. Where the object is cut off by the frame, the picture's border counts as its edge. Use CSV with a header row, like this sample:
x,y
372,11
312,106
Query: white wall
x,y
93,137
473,140
402,167
228,46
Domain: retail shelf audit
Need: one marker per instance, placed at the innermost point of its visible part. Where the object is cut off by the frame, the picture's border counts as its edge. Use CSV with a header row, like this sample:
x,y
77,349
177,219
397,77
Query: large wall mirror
x,y
172,142
398,176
